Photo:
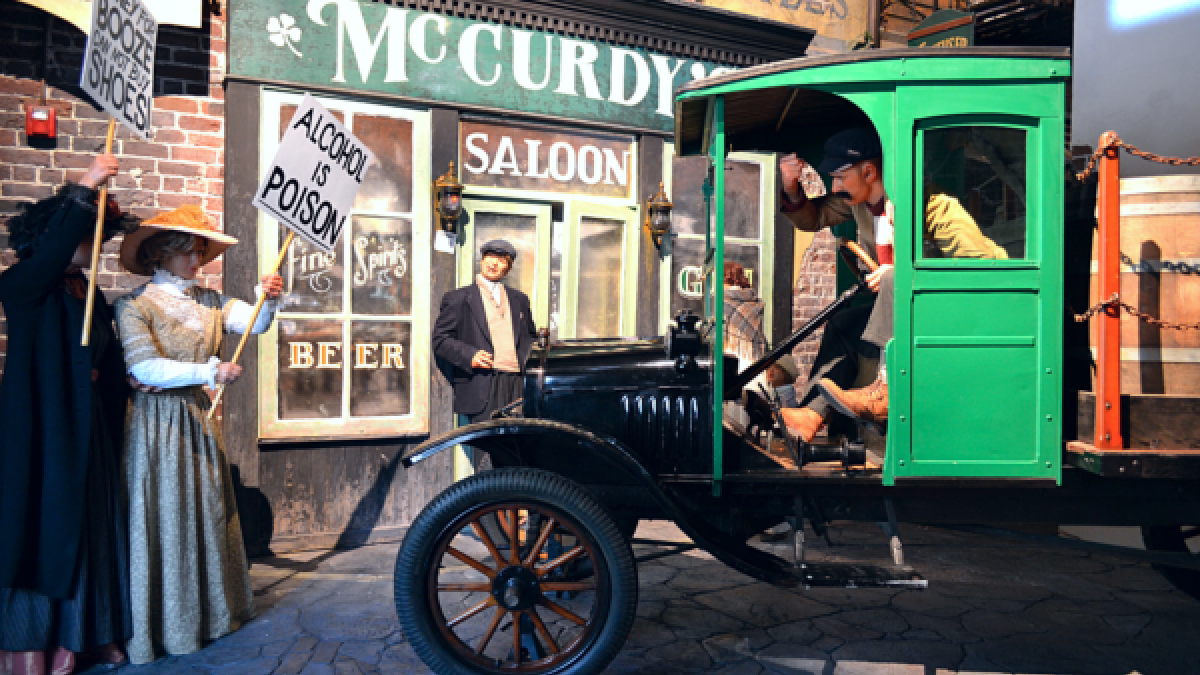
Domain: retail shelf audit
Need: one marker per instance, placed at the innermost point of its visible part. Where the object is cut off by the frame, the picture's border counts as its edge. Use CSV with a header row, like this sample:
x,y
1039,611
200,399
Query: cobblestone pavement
x,y
993,606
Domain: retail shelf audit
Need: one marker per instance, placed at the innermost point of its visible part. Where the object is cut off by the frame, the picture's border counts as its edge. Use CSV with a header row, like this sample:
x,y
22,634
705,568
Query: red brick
x,y
25,174
72,175
214,171
161,119
6,172
31,190
216,188
13,85
9,103
25,156
216,108
9,137
214,205
62,108
168,201
143,149
189,154
86,111
206,140
169,136
176,104
197,123
180,169
172,184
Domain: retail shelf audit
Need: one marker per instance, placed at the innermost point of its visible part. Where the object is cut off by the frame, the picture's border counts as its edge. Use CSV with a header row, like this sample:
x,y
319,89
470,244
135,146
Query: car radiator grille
x,y
668,428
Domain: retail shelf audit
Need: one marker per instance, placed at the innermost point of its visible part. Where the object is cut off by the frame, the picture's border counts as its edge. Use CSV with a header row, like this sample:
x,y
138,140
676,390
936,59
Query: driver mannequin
x,y
854,159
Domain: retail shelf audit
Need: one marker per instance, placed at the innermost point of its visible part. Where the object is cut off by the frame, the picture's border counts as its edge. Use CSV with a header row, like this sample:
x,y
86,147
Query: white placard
x,y
443,241
311,184
118,64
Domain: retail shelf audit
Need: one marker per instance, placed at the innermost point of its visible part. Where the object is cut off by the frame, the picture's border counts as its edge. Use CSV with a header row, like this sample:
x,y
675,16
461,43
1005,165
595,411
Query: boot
x,y
804,422
869,404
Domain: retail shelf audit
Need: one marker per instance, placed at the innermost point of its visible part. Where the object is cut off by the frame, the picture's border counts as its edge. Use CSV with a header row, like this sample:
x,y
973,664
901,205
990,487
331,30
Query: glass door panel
x,y
602,242
525,225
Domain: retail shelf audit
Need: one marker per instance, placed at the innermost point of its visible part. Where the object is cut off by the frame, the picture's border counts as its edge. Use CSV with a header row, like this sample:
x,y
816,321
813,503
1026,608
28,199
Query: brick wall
x,y
816,286
183,164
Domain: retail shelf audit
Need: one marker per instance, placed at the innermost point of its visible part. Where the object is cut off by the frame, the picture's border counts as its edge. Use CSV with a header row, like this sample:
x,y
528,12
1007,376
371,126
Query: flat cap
x,y
499,246
847,148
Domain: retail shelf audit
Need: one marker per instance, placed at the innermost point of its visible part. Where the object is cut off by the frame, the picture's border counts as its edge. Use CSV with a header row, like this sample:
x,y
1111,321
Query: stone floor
x,y
993,606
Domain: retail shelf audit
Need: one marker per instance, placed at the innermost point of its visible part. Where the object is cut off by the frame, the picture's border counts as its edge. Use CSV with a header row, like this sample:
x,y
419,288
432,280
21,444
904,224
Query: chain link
x,y
1115,303
1150,156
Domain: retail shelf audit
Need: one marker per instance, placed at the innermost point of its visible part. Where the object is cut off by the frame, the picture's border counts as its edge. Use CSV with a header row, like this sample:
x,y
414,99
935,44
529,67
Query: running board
x,y
850,575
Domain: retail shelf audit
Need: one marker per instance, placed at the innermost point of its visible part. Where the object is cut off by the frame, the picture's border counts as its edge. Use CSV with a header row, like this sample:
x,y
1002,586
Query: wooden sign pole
x,y
287,243
97,242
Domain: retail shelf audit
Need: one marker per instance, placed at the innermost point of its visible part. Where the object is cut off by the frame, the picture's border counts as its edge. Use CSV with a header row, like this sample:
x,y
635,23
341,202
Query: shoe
x,y
804,422
869,404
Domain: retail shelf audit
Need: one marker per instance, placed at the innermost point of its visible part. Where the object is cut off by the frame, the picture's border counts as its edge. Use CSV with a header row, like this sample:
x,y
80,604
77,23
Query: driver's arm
x,y
812,215
955,232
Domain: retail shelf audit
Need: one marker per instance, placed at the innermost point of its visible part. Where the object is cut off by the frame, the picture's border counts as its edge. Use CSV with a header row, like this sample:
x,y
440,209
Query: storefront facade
x,y
558,124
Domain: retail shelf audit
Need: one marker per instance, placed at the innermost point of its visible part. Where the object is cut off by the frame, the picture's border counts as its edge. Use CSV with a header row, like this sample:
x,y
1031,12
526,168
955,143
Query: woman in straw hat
x,y
188,564
64,580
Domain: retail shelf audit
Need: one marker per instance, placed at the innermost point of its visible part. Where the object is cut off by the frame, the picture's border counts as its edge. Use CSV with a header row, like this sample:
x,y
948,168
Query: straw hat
x,y
188,218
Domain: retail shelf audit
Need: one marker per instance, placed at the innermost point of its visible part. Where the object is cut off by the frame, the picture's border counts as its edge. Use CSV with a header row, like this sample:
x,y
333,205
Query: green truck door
x,y
974,368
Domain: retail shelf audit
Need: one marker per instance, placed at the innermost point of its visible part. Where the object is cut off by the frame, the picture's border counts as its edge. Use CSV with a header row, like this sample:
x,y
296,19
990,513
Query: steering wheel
x,y
851,254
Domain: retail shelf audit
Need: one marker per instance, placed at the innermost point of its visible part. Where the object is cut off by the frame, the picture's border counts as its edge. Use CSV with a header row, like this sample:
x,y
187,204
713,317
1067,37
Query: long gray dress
x,y
190,581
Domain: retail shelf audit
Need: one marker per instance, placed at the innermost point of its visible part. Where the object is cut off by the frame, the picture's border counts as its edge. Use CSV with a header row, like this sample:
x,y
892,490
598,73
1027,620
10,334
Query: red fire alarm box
x,y
40,121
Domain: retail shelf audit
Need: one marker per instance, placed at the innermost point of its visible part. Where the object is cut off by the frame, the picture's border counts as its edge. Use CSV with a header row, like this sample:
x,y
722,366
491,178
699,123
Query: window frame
x,y
1033,186
767,204
416,422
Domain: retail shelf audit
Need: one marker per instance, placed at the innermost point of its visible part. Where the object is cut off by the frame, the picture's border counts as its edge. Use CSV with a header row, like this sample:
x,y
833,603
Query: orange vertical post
x,y
1108,360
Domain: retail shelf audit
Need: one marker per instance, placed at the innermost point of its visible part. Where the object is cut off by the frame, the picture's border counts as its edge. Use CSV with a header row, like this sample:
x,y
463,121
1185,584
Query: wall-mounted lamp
x,y
447,193
658,215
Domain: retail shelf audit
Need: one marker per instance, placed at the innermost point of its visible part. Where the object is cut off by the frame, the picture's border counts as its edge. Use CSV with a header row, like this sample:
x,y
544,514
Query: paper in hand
x,y
811,183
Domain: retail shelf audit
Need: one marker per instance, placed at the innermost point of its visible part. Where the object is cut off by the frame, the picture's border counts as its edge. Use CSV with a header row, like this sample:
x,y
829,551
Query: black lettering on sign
x,y
118,68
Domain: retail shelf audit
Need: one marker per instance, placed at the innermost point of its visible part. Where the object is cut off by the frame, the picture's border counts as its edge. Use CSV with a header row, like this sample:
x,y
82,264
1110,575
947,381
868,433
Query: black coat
x,y
461,330
46,409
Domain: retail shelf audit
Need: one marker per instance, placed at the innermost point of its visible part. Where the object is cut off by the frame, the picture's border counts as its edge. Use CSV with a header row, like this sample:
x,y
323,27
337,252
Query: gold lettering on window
x,y
302,356
328,351
393,355
364,355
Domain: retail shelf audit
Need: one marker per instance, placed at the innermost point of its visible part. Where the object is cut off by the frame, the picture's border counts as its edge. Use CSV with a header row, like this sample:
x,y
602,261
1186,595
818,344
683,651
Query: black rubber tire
x,y
1169,538
501,485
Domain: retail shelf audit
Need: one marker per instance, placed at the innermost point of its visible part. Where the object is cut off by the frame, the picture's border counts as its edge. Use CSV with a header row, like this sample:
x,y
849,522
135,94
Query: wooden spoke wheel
x,y
1176,539
515,571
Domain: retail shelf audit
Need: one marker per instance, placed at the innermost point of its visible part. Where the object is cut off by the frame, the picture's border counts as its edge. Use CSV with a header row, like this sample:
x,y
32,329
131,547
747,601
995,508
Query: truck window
x,y
974,193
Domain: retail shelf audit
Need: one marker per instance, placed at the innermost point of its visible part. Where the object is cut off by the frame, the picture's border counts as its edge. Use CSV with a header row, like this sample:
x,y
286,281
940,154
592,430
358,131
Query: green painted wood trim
x,y
975,341
716,283
901,70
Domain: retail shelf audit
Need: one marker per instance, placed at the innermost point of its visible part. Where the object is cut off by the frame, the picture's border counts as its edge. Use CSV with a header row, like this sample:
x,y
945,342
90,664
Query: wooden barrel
x,y
1160,275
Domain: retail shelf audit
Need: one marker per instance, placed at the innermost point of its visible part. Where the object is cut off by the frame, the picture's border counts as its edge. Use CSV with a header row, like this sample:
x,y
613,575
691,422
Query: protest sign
x,y
118,64
309,187
311,184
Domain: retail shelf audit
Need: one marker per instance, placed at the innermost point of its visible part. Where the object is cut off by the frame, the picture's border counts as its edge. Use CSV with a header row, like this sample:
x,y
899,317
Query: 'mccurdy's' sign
x,y
376,47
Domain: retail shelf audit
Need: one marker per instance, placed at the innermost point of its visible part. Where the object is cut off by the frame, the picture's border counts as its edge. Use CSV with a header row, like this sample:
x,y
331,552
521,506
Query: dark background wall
x,y
1138,79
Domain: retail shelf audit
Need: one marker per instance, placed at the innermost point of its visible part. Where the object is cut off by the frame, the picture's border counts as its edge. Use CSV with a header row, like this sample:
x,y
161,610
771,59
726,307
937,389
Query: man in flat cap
x,y
854,159
485,332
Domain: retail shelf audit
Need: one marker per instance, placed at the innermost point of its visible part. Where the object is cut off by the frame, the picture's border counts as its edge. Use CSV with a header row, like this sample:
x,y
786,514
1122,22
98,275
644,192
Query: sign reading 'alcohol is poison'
x,y
118,65
312,182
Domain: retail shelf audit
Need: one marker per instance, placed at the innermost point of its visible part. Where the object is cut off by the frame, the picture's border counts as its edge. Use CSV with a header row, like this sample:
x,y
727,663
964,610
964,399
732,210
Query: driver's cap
x,y
847,148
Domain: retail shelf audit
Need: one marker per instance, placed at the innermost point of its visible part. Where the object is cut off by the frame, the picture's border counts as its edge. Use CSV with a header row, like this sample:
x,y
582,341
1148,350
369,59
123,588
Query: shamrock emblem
x,y
284,31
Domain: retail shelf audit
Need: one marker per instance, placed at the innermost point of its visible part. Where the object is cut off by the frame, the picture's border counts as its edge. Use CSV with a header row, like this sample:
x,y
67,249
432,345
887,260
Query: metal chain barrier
x,y
1115,303
1118,143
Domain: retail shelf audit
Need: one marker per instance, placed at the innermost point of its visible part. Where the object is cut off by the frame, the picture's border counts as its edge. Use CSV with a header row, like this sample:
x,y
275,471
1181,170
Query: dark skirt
x,y
97,611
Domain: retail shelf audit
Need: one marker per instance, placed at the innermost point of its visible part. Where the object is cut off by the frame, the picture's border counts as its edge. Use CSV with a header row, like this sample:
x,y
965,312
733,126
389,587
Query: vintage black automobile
x,y
529,567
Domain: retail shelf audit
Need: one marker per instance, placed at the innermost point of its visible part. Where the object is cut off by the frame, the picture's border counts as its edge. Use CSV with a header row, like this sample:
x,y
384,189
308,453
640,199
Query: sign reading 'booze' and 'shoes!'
x,y
118,65
311,184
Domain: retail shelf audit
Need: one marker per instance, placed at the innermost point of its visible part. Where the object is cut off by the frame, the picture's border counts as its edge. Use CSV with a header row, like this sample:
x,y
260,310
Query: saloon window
x,y
974,189
350,345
